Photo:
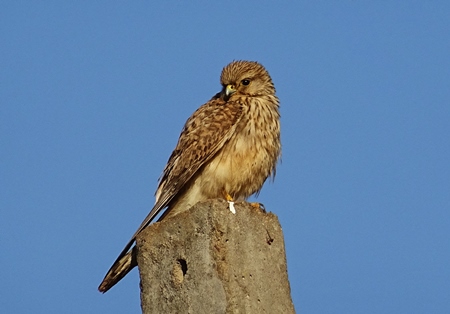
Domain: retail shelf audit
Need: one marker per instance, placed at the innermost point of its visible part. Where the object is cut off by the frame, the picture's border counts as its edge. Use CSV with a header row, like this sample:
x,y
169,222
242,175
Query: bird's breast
x,y
248,158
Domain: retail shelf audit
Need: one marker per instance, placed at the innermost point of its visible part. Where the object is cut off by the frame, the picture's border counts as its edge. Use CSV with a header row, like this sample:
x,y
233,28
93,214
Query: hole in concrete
x,y
183,265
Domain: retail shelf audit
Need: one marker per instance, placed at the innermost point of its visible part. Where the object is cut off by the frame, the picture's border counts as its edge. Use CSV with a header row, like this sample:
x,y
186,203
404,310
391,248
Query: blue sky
x,y
93,97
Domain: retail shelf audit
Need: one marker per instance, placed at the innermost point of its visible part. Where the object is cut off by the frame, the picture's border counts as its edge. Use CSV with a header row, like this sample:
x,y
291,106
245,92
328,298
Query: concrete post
x,y
209,260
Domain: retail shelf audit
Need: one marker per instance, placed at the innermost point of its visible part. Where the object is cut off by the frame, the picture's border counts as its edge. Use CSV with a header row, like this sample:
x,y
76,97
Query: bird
x,y
227,149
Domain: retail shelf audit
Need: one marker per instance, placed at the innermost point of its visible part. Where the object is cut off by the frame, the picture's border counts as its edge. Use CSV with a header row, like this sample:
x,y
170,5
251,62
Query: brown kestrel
x,y
227,149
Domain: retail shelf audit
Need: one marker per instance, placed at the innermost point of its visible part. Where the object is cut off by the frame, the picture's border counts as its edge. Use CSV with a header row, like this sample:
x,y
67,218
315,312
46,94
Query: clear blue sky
x,y
93,97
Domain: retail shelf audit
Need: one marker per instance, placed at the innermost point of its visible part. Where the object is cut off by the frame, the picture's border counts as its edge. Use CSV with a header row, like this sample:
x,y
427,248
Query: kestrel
x,y
227,149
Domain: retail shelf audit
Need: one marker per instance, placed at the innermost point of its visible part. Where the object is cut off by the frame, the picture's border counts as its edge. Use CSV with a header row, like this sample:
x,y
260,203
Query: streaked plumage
x,y
229,146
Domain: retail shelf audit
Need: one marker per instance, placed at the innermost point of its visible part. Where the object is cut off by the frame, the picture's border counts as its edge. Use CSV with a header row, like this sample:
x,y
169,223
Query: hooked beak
x,y
228,91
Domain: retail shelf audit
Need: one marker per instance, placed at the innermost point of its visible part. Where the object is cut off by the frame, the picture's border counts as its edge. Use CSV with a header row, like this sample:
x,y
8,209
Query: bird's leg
x,y
259,206
230,201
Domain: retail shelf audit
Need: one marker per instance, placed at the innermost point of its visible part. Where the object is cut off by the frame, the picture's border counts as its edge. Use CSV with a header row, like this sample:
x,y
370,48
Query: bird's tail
x,y
118,270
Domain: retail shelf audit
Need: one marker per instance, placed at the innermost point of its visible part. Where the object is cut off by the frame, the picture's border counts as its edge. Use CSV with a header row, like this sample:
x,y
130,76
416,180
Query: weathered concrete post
x,y
209,260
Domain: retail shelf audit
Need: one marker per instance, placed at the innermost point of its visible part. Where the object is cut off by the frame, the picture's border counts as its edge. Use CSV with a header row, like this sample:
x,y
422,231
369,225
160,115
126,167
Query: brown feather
x,y
230,144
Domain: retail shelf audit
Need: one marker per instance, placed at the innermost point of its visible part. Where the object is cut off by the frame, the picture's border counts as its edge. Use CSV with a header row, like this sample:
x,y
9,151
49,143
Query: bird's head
x,y
245,78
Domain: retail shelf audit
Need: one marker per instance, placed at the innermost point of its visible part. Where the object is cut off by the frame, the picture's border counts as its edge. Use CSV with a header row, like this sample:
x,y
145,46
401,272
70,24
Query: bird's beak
x,y
229,90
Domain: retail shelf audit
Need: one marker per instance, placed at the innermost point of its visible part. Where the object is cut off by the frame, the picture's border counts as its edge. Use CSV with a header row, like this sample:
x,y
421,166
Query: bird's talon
x,y
259,206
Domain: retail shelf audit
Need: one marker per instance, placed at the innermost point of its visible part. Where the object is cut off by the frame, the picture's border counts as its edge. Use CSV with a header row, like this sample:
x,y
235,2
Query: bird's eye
x,y
245,82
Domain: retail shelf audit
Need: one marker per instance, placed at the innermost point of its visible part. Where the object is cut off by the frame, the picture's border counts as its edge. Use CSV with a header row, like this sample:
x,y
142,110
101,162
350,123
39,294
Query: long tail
x,y
126,260
118,270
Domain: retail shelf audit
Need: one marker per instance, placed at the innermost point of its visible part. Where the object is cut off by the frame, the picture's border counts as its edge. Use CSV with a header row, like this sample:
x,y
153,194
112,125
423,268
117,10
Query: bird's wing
x,y
203,135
